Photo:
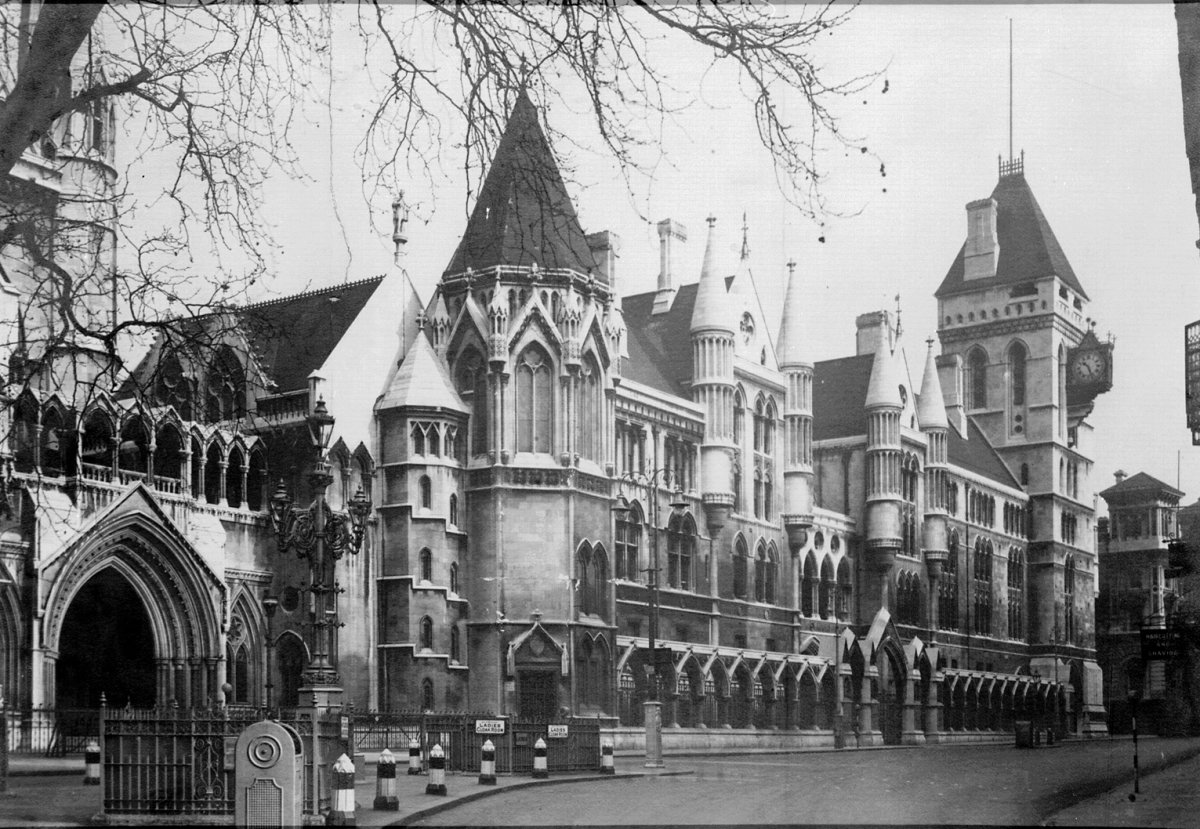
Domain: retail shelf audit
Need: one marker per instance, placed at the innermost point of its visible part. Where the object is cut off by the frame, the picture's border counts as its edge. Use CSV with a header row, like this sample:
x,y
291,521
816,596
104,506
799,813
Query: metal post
x,y
1133,702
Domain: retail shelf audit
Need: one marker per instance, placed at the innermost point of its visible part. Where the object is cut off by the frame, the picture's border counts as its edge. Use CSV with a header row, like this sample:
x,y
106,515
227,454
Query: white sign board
x,y
557,732
489,726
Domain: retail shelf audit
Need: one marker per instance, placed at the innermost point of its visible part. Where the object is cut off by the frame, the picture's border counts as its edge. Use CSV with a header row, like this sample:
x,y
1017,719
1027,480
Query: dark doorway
x,y
106,645
538,695
291,660
891,699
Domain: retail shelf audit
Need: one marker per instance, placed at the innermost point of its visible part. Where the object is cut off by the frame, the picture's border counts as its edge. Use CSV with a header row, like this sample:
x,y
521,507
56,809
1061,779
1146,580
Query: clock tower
x,y
1017,340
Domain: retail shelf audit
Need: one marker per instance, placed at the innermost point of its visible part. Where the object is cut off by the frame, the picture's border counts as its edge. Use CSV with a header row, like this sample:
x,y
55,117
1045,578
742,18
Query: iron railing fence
x,y
53,732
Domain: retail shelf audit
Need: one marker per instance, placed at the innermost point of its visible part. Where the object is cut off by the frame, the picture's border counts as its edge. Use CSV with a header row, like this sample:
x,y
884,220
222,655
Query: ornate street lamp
x,y
270,605
652,706
322,536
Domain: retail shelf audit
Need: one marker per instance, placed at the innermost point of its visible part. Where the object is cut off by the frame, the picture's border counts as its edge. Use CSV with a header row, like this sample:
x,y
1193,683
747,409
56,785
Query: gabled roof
x,y
421,381
839,411
294,335
1141,482
660,347
1029,249
523,214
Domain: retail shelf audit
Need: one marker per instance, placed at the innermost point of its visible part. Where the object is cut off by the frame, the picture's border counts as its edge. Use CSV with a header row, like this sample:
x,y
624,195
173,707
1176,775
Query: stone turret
x,y
712,332
797,415
931,416
884,405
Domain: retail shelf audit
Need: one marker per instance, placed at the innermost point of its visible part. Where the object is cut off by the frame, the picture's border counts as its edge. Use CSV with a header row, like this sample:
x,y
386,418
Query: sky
x,y
1096,109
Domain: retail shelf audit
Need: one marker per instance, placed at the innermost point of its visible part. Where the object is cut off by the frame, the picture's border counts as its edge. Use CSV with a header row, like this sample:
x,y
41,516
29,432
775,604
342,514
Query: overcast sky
x,y
1097,112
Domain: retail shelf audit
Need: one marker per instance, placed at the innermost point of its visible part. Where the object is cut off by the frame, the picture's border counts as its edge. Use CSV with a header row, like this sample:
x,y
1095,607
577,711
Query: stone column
x,y
910,734
223,471
185,467
933,710
866,735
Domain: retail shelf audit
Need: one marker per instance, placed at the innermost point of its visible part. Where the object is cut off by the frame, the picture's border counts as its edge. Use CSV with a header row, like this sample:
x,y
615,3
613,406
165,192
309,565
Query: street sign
x,y
489,726
1161,643
557,732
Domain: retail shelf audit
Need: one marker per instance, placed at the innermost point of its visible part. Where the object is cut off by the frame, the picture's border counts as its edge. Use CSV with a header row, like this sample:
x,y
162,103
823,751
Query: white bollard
x,y
606,758
487,766
341,811
540,771
385,783
91,767
414,756
437,772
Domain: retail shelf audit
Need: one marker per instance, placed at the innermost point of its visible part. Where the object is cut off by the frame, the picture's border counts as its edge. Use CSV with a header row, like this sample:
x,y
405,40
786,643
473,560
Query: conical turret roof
x,y
884,388
712,309
523,214
421,381
931,407
792,350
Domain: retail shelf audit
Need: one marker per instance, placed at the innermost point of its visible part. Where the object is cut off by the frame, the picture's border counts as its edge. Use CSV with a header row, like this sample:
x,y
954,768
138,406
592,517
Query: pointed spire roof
x,y
712,308
931,407
884,388
421,381
792,350
1029,249
523,214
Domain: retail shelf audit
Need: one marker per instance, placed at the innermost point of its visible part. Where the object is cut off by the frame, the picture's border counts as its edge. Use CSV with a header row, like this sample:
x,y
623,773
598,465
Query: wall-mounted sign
x,y
558,732
489,726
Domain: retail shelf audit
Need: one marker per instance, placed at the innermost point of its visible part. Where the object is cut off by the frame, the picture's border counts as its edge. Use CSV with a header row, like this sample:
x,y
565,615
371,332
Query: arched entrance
x,y
891,696
291,658
106,646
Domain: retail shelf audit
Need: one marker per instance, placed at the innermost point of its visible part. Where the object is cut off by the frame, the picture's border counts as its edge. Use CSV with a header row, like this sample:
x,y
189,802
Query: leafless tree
x,y
214,90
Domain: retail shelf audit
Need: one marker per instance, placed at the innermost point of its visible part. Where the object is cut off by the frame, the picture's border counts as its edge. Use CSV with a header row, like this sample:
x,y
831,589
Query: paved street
x,y
936,785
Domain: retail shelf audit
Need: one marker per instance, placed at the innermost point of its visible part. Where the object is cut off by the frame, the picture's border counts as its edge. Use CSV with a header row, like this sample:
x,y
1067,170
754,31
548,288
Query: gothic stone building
x,y
842,554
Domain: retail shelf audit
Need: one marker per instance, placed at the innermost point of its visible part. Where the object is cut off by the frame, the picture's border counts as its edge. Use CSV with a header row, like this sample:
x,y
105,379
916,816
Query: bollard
x,y
606,758
414,756
341,811
487,766
540,772
385,782
91,760
437,772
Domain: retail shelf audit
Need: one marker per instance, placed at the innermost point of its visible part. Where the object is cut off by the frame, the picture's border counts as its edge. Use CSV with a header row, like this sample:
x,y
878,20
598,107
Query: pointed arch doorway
x,y
891,695
106,646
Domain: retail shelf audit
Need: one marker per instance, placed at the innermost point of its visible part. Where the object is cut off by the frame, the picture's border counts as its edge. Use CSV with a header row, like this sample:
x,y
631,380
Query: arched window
x,y
948,587
982,599
628,540
1016,593
590,416
473,389
910,476
1069,599
241,675
418,439
534,401
173,388
1024,474
426,489
681,551
844,589
908,598
758,493
1017,355
809,583
455,654
740,566
426,557
739,420
977,363
427,694
426,633
826,591
453,510
598,581
454,577
760,573
226,386
583,588
771,574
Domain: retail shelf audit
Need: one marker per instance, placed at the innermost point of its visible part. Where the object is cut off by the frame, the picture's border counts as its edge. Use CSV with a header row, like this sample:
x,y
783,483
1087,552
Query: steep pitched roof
x,y
712,308
660,347
1029,249
294,335
977,455
523,214
931,406
422,380
839,392
1141,482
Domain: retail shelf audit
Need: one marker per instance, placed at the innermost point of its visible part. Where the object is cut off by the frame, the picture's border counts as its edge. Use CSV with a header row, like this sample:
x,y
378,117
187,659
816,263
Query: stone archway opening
x,y
106,646
891,696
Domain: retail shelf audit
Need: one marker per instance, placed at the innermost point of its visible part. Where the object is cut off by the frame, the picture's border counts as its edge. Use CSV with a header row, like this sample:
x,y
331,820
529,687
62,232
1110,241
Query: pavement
x,y
48,792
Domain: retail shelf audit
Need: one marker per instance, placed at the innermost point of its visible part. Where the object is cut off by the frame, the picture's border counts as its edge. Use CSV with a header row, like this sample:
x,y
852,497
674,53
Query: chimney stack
x,y
983,250
606,248
874,329
949,368
668,231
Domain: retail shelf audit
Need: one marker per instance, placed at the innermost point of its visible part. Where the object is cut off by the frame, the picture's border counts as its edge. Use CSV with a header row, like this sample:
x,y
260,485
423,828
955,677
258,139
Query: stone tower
x,y
797,367
1016,340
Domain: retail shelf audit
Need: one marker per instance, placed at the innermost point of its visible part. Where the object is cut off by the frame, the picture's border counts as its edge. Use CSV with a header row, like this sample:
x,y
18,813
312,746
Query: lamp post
x,y
322,536
652,706
270,604
1133,706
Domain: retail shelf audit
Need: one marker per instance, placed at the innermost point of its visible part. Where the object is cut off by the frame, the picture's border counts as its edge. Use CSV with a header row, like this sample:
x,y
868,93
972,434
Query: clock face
x,y
1088,367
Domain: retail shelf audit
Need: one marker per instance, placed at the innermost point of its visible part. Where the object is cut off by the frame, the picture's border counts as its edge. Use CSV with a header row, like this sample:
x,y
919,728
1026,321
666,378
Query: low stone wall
x,y
629,740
